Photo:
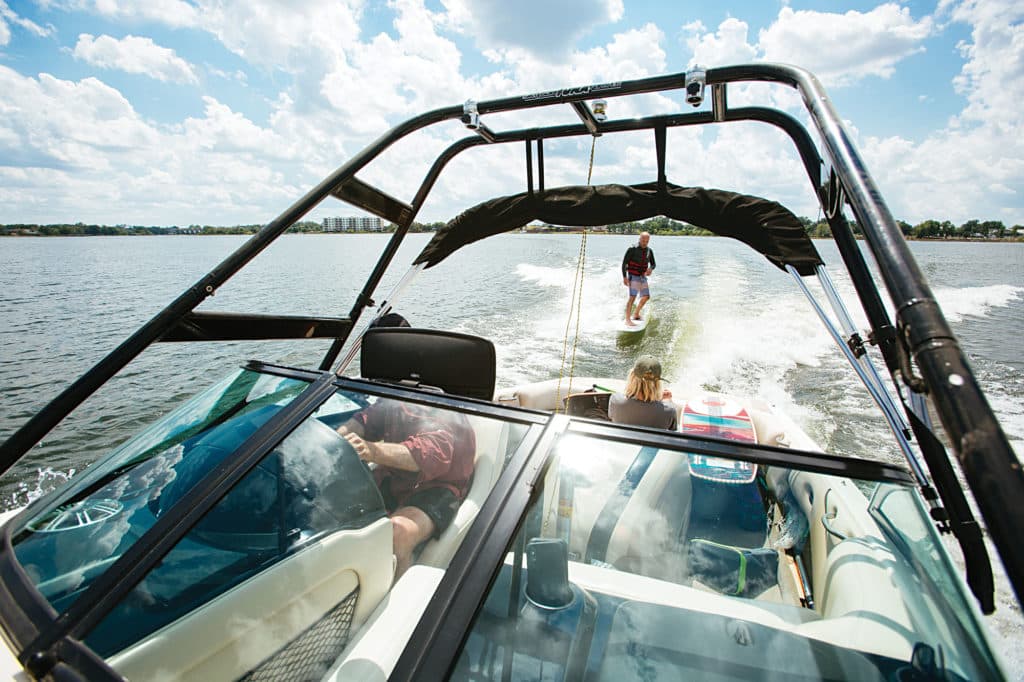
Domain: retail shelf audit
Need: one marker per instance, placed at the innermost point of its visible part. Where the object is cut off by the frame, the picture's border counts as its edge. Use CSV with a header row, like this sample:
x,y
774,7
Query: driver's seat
x,y
459,364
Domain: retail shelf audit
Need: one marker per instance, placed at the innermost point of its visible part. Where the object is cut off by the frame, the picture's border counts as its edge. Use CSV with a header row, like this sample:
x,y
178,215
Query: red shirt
x,y
442,444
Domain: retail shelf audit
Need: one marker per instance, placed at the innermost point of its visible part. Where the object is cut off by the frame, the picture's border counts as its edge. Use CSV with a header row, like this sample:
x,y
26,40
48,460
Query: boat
x,y
244,536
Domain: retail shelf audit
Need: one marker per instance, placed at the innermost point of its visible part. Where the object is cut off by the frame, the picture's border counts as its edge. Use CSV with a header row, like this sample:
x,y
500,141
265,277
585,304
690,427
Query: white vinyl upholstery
x,y
866,630
639,588
491,443
658,512
856,581
373,652
545,395
230,635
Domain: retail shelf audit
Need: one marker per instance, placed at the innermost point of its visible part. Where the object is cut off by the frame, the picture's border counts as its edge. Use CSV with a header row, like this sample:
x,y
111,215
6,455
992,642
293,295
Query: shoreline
x,y
1017,239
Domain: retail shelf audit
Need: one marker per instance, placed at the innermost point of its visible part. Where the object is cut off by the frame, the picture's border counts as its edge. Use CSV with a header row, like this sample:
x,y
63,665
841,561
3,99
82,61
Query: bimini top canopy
x,y
764,225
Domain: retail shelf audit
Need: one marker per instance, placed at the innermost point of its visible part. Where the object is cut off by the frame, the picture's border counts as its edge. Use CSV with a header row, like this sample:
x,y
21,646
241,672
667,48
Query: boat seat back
x,y
591,404
649,538
546,395
491,445
635,519
455,363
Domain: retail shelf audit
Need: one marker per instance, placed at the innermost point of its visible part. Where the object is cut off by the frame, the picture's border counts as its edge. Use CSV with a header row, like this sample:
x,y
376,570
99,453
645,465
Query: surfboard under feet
x,y
639,325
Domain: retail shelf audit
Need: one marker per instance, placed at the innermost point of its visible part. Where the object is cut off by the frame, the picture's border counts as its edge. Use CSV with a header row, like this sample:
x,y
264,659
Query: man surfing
x,y
637,264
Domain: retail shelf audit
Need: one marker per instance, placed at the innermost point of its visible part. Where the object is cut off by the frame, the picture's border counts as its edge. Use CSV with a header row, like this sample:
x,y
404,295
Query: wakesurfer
x,y
637,265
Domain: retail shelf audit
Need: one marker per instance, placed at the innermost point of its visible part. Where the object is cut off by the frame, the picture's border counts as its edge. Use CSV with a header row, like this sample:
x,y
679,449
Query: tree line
x,y
933,229
928,229
87,230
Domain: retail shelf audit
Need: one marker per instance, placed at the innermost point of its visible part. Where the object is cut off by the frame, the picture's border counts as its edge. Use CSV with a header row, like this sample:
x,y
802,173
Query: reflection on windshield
x,y
361,506
310,485
643,563
78,533
423,461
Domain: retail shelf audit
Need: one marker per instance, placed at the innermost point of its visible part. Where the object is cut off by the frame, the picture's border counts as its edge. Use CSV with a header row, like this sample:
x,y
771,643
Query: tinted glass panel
x,y
77,533
639,563
312,485
306,564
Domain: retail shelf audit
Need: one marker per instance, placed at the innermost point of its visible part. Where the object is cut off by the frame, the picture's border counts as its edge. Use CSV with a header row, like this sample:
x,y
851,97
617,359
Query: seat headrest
x,y
456,363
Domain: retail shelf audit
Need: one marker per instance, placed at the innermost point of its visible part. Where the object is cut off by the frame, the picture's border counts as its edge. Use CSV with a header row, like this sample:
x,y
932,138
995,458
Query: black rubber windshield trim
x,y
804,460
438,637
110,587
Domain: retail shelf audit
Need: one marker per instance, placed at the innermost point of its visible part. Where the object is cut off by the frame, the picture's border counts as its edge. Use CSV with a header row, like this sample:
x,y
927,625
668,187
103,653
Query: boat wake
x,y
976,301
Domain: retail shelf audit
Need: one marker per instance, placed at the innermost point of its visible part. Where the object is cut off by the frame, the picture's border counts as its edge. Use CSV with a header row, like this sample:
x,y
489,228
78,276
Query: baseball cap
x,y
647,367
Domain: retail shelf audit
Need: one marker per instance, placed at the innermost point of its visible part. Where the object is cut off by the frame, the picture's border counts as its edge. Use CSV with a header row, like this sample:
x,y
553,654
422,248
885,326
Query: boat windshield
x,y
640,563
76,534
295,557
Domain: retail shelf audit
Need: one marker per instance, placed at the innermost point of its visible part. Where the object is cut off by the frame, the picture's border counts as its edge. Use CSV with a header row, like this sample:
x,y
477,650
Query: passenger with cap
x,y
645,402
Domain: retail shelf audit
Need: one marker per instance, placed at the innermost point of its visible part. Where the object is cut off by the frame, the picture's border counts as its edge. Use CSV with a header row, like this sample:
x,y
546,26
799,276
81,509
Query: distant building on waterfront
x,y
353,224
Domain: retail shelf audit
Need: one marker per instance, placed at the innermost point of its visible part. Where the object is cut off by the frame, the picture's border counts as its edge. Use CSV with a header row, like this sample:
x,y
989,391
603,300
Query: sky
x,y
224,112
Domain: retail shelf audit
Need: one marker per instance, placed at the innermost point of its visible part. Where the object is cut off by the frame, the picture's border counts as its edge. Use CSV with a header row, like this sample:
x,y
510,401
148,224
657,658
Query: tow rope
x,y
575,302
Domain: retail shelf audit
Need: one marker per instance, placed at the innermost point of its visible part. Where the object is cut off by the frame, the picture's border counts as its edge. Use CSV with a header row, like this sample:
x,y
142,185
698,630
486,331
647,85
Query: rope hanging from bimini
x,y
575,301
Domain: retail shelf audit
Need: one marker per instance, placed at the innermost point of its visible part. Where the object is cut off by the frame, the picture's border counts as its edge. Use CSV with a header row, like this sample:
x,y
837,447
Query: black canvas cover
x,y
764,225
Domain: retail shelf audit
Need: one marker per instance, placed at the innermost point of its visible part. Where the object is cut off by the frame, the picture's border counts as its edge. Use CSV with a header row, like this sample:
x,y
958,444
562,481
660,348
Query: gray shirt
x,y
625,410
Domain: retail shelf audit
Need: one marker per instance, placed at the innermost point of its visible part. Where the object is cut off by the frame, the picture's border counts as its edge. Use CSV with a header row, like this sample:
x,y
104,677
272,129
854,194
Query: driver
x,y
424,460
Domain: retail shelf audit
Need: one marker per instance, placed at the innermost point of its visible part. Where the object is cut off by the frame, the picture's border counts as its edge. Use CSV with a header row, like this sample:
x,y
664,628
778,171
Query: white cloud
x,y
992,79
546,29
98,160
174,13
228,131
726,46
57,123
7,15
386,78
133,54
238,75
844,48
975,167
635,53
291,36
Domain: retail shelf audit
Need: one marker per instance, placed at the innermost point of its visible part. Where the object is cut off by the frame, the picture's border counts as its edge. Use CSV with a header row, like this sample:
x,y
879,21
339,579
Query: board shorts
x,y
638,286
439,504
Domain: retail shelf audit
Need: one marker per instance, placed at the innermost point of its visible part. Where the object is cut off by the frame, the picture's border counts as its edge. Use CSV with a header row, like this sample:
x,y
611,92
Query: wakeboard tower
x,y
593,549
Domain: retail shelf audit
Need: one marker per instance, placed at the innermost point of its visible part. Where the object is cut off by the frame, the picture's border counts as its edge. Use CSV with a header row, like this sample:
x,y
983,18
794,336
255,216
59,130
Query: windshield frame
x,y
43,638
31,623
438,638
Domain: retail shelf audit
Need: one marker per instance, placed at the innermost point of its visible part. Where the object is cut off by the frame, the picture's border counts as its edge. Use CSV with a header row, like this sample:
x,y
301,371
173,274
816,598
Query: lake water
x,y
724,319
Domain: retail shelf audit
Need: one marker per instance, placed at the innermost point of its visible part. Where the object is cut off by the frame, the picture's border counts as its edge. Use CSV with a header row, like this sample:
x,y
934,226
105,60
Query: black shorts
x,y
439,504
